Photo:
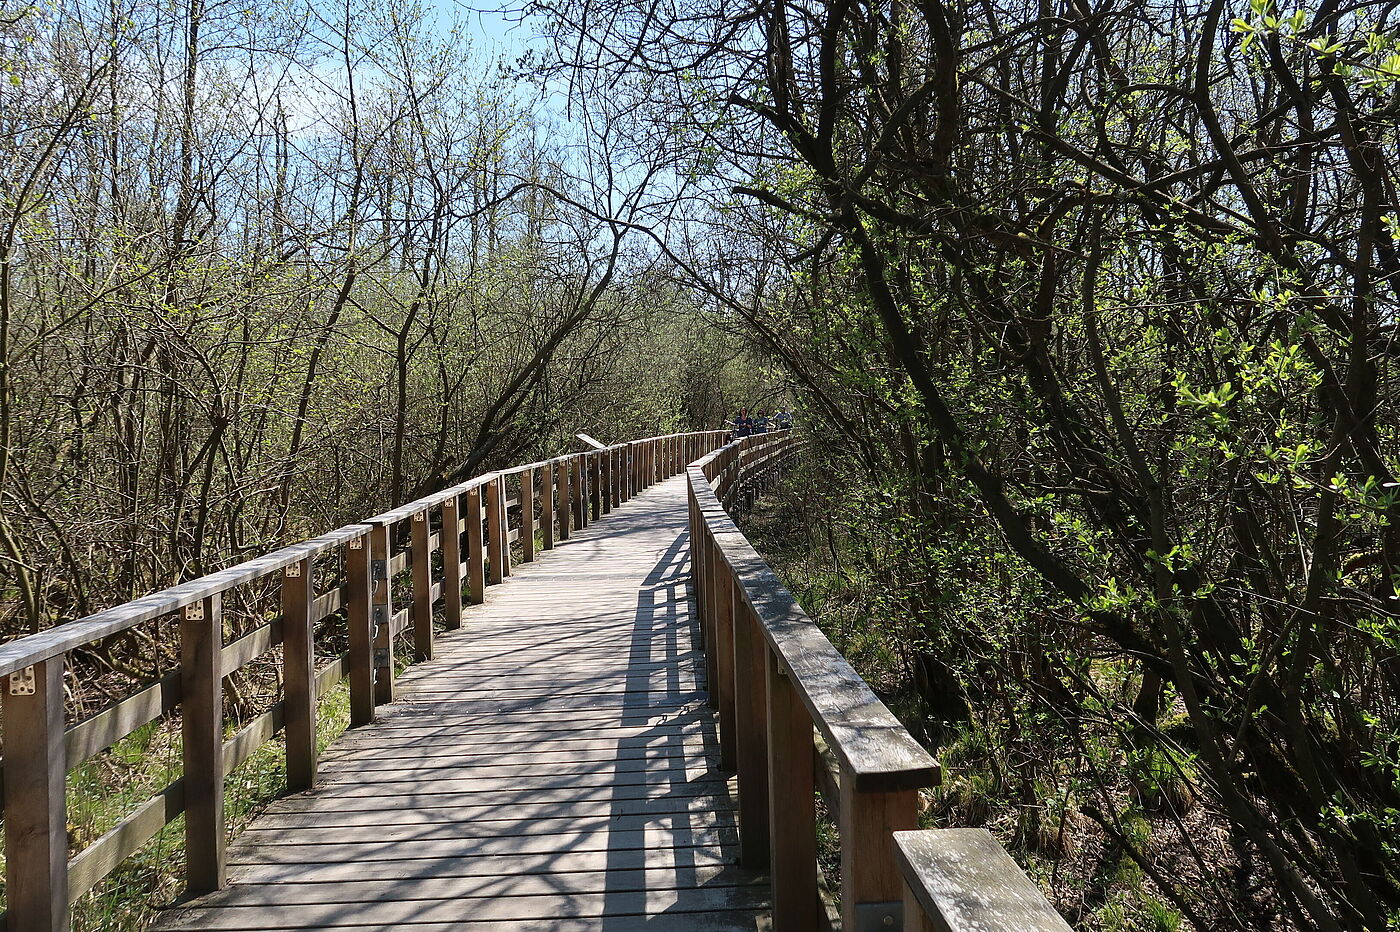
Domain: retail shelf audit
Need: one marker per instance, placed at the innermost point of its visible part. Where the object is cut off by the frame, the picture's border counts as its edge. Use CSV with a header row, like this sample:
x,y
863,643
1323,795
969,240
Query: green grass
x,y
103,791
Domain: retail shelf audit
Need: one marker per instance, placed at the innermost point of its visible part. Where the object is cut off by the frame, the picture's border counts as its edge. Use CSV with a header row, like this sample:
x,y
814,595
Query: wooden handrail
x,y
18,654
795,718
962,880
468,528
779,683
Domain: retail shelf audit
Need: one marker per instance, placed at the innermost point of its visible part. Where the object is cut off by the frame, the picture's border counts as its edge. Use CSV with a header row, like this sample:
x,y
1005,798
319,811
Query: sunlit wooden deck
x,y
555,766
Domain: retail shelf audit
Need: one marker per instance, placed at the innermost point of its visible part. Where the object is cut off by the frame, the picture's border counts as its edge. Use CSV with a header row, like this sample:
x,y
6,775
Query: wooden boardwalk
x,y
554,767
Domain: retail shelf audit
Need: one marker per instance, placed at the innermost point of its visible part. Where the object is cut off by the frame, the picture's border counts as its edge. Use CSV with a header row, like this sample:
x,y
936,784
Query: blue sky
x,y
489,28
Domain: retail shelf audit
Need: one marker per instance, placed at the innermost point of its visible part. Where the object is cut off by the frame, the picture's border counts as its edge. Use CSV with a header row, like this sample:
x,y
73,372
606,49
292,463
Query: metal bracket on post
x,y
378,570
22,682
357,543
381,617
381,657
195,611
292,571
879,917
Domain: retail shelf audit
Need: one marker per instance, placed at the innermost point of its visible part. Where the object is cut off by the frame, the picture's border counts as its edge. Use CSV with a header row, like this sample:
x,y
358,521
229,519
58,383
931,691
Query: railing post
x,y
36,807
547,504
583,490
578,485
564,500
495,543
422,587
299,675
713,569
595,485
791,805
382,609
504,519
871,884
358,615
202,729
751,734
527,515
605,480
697,561
476,569
452,563
723,660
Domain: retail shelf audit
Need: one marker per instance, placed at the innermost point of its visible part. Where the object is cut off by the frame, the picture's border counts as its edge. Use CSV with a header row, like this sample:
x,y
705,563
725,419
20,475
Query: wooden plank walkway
x,y
554,767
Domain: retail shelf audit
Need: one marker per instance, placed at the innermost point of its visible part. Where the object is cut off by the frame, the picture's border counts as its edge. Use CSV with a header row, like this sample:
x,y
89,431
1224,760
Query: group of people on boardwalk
x,y
746,424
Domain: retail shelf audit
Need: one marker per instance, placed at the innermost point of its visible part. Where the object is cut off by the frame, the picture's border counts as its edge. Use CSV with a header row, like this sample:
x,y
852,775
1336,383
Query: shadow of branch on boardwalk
x,y
693,811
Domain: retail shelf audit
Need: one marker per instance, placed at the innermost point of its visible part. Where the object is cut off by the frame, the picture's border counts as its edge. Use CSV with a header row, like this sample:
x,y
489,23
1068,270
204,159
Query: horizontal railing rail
x,y
962,880
796,719
329,604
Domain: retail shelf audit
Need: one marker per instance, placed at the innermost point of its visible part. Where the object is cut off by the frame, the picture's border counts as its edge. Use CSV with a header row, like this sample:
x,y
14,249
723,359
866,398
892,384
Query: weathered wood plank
x,y
201,686
382,611
19,654
422,812
441,888
476,549
791,806
697,901
683,825
452,563
360,618
101,857
349,796
299,675
289,851
423,596
36,821
964,881
558,864
109,726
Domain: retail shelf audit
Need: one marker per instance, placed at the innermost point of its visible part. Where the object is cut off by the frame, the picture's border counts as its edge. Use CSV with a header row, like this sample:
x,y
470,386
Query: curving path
x,y
555,767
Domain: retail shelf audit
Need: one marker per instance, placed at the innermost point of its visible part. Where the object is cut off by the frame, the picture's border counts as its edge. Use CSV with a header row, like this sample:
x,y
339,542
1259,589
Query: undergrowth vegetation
x,y
1106,818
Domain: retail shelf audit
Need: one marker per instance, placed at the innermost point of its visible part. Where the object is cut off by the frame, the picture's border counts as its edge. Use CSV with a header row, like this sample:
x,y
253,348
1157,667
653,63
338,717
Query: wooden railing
x,y
796,719
330,604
